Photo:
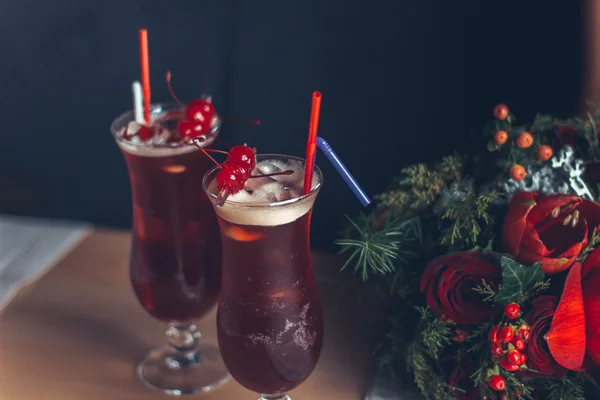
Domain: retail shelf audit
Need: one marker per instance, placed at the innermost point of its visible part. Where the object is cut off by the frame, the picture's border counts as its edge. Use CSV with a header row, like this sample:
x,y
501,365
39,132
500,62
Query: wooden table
x,y
78,331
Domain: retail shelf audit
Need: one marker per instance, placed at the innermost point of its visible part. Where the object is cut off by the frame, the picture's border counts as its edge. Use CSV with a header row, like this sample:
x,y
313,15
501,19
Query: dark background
x,y
402,81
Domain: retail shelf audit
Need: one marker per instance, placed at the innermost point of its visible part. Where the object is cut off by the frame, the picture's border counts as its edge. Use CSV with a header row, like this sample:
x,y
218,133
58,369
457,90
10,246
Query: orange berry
x,y
545,152
517,172
500,137
524,140
501,112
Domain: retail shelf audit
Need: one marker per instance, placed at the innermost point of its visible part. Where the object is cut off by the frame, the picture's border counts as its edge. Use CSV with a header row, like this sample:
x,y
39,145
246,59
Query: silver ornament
x,y
561,175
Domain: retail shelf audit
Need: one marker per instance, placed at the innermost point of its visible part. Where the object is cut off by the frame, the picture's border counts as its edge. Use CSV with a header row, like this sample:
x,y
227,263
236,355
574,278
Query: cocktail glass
x,y
269,321
175,263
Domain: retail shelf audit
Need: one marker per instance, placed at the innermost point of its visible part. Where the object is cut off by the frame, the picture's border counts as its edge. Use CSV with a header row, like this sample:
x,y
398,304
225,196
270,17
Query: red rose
x,y
574,336
566,135
551,230
539,319
448,283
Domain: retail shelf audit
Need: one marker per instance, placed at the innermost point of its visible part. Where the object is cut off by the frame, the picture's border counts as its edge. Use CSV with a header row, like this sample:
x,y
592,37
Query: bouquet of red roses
x,y
495,257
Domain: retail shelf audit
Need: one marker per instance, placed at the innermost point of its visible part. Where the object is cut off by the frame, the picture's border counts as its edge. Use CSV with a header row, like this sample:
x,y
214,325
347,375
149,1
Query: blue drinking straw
x,y
343,171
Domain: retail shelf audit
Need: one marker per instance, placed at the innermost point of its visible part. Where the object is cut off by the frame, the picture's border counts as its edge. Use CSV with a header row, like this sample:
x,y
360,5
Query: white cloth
x,y
29,246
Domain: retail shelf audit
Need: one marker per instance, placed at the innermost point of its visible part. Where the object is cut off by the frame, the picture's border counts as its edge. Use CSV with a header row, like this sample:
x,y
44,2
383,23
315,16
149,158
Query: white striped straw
x,y
138,104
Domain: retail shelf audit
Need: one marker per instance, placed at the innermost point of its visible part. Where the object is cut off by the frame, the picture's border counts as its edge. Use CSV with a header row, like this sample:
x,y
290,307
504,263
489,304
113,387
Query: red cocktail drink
x,y
175,264
269,321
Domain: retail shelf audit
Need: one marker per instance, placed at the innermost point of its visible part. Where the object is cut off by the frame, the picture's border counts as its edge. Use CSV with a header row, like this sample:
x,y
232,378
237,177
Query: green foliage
x,y
419,186
379,250
486,290
468,213
519,281
427,379
592,244
392,349
515,387
567,388
436,333
478,338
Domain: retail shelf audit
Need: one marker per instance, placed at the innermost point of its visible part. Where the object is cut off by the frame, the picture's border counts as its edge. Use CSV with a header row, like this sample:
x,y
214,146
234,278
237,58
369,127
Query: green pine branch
x,y
567,388
468,213
379,251
426,377
436,333
419,186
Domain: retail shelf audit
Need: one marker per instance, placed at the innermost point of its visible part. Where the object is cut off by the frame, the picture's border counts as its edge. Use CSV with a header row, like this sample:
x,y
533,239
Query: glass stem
x,y
183,338
274,397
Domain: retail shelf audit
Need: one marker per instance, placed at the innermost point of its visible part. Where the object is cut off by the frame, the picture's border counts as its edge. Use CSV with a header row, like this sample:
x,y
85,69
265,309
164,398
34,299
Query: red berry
x,y
497,350
243,155
507,365
493,335
200,110
501,112
500,137
190,129
524,140
515,357
524,333
517,172
512,310
497,382
518,343
523,358
232,177
545,152
506,334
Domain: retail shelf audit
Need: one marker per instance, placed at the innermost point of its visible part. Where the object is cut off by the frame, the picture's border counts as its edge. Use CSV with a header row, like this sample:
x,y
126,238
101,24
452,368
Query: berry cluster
x,y
508,342
199,115
236,169
523,140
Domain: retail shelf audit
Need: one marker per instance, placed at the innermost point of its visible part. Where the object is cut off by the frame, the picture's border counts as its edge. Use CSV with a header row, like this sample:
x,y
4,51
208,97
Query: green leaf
x,y
517,280
492,145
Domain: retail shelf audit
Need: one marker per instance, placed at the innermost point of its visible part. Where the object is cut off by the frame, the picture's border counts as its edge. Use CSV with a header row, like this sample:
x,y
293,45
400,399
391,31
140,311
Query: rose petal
x,y
567,334
515,221
591,298
590,211
549,265
532,241
547,204
592,263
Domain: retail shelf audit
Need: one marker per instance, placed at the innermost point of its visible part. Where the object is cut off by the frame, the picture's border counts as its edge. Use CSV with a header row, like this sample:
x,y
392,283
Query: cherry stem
x,y
171,89
242,121
217,151
195,142
286,172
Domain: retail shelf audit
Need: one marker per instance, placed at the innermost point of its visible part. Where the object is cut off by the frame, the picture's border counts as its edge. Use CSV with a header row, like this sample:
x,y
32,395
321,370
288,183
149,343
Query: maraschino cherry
x,y
236,170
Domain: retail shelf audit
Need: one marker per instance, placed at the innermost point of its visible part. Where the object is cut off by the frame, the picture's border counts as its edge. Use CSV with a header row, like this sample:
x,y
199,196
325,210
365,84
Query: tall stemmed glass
x,y
175,263
269,321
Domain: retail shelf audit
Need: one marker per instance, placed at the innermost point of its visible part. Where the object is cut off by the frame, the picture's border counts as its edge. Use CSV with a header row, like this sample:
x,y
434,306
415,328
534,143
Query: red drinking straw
x,y
311,144
145,65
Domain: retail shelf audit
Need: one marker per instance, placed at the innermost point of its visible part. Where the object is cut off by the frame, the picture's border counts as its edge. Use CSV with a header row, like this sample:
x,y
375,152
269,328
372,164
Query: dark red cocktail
x,y
175,263
269,320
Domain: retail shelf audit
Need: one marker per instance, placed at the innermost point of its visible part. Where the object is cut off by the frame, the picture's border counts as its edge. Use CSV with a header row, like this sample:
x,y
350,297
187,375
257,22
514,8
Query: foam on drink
x,y
269,201
165,140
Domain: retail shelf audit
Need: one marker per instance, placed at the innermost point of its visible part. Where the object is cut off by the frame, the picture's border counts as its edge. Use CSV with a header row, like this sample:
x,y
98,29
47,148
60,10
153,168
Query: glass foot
x,y
278,397
175,373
